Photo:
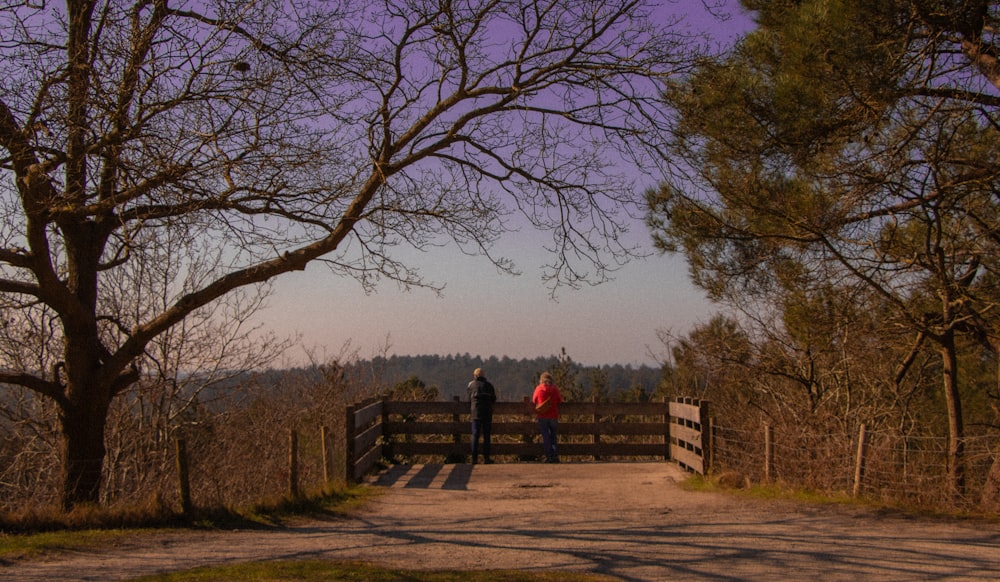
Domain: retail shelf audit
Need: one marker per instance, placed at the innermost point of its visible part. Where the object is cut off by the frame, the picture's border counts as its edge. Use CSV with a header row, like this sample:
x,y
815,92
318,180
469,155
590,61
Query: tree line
x,y
448,376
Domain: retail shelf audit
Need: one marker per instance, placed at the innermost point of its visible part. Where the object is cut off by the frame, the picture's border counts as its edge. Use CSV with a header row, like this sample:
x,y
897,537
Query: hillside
x,y
513,379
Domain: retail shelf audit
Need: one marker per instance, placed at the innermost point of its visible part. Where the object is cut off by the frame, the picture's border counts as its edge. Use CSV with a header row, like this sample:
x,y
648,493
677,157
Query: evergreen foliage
x,y
516,379
839,192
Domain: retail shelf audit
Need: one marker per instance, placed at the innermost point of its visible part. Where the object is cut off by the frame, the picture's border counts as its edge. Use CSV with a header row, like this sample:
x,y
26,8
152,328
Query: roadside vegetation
x,y
738,485
349,571
30,534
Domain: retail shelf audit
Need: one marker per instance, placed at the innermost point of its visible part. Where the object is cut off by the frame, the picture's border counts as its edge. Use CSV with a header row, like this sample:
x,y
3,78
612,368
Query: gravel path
x,y
630,521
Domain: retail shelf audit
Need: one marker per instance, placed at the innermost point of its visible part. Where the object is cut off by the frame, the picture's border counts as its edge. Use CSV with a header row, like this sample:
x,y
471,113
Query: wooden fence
x,y
388,429
691,441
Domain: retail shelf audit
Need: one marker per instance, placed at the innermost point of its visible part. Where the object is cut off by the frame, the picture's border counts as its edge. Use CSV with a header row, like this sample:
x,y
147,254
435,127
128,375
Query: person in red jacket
x,y
546,400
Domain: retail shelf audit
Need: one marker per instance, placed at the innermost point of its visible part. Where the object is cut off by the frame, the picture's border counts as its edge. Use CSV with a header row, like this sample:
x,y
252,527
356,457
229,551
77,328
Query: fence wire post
x,y
768,453
859,465
183,481
293,463
345,447
324,437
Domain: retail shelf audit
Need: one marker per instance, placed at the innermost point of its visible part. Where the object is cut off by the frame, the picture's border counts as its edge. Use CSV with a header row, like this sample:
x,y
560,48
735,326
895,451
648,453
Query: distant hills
x,y
514,379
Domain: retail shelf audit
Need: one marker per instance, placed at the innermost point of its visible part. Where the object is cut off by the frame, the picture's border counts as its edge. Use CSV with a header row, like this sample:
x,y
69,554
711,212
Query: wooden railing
x,y
691,434
389,429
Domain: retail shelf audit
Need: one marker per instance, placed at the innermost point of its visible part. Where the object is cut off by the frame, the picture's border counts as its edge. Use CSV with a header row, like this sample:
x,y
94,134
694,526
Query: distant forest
x,y
515,379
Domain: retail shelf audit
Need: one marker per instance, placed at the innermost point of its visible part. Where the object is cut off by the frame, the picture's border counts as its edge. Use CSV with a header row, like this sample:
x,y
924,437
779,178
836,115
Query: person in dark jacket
x,y
482,395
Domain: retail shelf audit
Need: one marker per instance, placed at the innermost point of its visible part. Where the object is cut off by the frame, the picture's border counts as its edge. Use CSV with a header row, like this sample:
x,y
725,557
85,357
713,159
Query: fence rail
x,y
873,463
691,434
599,430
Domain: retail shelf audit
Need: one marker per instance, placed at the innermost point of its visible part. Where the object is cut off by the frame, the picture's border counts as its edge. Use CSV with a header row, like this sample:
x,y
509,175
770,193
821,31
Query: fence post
x,y
528,437
293,463
668,423
457,437
183,482
708,442
705,426
859,465
345,447
596,431
768,452
388,452
324,437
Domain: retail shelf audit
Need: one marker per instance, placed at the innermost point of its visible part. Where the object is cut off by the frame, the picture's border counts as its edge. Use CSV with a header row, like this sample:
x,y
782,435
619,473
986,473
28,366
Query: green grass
x,y
22,546
315,570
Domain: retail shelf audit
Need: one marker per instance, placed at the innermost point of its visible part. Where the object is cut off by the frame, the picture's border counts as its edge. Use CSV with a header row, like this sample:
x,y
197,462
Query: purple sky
x,y
488,314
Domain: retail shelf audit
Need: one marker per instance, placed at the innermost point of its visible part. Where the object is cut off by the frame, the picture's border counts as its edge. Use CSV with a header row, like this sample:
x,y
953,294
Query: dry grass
x,y
360,572
34,533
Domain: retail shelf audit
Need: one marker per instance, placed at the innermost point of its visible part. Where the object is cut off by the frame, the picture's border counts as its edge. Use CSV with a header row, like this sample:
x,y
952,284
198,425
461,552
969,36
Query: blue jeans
x,y
481,427
549,427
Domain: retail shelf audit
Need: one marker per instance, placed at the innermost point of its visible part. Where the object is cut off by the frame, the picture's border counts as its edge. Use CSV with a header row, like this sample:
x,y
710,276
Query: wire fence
x,y
237,459
896,468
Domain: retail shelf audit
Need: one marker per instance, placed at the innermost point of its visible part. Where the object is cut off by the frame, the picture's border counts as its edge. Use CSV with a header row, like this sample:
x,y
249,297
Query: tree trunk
x,y
956,430
991,490
83,451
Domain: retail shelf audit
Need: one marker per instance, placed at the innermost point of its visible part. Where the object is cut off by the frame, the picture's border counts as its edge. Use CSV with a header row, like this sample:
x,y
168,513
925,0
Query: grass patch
x,y
316,570
776,491
739,486
153,513
35,533
332,502
24,546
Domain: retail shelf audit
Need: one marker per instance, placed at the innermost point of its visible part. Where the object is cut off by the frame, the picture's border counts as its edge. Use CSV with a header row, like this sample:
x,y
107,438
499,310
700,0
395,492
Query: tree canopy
x,y
848,147
164,157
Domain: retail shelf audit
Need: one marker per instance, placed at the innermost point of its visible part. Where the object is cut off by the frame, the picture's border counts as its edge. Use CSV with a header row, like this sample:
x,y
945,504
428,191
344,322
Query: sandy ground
x,y
630,521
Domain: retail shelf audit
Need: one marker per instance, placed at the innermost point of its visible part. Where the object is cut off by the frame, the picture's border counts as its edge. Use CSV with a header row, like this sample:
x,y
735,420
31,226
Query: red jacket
x,y
551,392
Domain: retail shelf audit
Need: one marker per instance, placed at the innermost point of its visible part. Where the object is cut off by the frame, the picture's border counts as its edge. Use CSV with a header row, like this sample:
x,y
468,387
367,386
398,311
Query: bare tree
x,y
269,135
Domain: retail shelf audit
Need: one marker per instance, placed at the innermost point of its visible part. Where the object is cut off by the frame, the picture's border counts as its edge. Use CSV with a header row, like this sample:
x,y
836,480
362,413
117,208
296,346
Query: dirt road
x,y
630,521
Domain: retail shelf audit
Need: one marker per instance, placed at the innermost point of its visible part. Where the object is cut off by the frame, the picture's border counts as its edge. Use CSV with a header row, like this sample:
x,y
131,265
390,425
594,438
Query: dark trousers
x,y
549,427
481,427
